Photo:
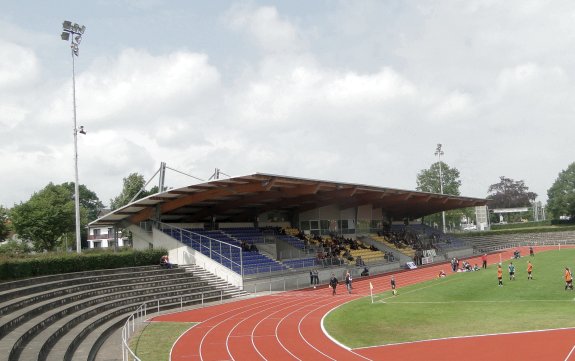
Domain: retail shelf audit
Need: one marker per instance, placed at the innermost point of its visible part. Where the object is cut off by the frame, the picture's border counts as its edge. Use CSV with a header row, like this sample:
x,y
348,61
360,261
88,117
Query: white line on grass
x,y
474,301
469,336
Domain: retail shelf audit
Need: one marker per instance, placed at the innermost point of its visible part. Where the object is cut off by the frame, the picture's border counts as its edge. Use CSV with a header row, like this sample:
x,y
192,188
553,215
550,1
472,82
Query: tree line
x,y
507,193
47,219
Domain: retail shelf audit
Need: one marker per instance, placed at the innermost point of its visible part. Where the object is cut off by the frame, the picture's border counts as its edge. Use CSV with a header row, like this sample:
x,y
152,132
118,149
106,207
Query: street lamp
x,y
439,153
74,32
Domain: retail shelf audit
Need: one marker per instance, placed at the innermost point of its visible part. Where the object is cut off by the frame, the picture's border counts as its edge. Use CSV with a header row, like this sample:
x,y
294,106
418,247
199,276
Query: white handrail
x,y
139,316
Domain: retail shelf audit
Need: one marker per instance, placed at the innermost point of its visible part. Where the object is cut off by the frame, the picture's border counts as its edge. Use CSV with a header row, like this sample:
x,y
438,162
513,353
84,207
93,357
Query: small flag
x,y
371,291
370,286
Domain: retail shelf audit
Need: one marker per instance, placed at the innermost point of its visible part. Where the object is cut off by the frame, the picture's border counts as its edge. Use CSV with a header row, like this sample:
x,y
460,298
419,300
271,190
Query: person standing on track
x,y
333,284
348,282
393,290
484,260
311,278
529,270
500,275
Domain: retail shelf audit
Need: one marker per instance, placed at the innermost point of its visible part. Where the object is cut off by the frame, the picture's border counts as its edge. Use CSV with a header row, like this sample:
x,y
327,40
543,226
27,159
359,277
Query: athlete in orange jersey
x,y
500,275
529,270
568,279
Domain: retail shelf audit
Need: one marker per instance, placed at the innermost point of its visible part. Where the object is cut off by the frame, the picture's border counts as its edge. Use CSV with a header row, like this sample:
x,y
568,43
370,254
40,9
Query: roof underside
x,y
242,199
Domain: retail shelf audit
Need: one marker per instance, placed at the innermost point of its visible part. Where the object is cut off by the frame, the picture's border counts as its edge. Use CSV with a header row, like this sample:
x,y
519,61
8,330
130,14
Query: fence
x,y
226,254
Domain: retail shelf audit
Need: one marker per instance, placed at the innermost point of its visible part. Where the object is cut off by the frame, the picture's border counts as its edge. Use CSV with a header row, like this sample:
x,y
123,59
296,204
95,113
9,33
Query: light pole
x,y
76,32
439,153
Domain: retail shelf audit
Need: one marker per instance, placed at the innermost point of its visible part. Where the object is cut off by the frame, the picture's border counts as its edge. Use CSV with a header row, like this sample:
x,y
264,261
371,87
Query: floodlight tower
x,y
76,31
439,153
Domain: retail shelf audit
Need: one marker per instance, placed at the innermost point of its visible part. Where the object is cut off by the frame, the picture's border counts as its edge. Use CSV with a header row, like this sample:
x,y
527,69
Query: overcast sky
x,y
351,91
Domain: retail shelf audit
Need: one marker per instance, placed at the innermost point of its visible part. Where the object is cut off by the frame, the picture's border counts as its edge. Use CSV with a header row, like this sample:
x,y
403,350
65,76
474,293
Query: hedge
x,y
54,263
496,226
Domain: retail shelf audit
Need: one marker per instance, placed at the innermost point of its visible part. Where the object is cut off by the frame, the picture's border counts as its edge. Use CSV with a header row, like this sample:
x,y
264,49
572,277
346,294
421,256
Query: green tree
x,y
561,195
429,180
89,201
133,183
510,194
5,224
45,217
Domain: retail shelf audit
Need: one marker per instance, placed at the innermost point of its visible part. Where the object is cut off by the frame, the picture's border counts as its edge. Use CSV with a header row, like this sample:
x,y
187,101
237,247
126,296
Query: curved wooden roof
x,y
242,198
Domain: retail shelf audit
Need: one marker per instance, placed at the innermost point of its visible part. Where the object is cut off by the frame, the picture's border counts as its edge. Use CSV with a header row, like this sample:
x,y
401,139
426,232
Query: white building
x,y
104,237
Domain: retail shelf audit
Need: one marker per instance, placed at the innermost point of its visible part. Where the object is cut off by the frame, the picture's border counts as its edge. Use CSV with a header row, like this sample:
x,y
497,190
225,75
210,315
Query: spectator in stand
x,y
365,272
165,262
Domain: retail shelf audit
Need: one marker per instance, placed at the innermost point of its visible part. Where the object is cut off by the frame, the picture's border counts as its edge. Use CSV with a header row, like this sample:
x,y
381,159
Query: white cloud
x,y
452,107
361,93
266,27
140,83
18,66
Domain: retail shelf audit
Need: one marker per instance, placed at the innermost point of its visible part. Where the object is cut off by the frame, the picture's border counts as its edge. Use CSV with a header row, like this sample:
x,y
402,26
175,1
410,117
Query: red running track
x,y
287,326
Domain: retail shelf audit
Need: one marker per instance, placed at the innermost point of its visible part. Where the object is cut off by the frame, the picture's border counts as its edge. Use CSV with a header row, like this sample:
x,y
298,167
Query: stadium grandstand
x,y
243,228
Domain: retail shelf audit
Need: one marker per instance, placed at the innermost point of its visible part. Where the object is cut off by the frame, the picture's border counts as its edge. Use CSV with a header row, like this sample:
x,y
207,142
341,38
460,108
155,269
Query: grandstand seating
x,y
213,244
408,251
68,317
368,256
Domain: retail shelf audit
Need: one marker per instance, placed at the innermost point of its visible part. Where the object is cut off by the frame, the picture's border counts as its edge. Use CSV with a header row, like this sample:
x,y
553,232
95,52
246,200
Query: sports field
x,y
466,303
465,315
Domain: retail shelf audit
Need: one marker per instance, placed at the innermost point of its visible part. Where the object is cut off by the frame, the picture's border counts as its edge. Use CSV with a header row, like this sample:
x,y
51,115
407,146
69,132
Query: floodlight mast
x,y
439,153
73,32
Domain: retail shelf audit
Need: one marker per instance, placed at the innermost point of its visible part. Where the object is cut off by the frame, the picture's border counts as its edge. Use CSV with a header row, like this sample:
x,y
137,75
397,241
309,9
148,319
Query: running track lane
x,y
287,326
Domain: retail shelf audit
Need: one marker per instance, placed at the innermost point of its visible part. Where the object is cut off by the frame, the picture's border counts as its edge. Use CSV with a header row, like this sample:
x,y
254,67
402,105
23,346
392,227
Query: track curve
x,y
287,326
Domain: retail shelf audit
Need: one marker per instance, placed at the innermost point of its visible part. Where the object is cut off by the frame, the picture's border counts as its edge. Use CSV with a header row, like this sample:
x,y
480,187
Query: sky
x,y
349,91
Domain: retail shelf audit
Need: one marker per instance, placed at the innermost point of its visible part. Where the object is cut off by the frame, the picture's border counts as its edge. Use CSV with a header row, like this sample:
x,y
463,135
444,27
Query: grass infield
x,y
155,341
462,304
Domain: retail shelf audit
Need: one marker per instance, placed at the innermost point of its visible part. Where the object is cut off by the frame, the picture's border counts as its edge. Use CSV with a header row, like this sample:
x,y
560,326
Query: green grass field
x,y
155,341
467,303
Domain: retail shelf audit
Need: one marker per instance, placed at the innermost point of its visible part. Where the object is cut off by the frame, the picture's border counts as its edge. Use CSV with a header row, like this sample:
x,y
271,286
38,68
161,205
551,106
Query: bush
x,y
563,222
56,262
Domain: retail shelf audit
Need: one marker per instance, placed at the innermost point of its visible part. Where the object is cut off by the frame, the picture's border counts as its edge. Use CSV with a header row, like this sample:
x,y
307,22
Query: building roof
x,y
241,199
